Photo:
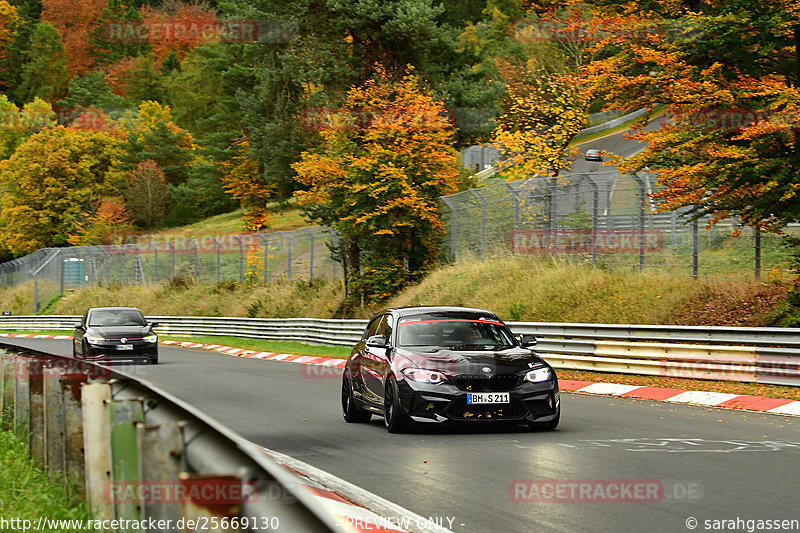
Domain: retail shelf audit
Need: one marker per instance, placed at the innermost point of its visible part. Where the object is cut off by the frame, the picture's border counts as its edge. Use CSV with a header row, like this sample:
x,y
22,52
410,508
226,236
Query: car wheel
x,y
350,410
395,419
74,351
546,426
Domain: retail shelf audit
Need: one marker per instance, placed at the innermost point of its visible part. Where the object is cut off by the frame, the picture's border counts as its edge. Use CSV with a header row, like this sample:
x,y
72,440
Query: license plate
x,y
124,346
488,397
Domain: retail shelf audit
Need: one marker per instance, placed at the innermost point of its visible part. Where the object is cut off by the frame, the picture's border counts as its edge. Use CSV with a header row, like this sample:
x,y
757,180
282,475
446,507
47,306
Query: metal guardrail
x,y
141,455
765,355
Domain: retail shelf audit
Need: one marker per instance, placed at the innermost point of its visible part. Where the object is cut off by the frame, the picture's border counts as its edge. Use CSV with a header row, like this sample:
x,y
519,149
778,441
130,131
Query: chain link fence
x,y
299,254
603,218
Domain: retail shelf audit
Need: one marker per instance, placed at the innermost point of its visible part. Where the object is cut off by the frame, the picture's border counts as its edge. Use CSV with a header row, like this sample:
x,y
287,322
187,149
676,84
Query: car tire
x,y
395,419
546,426
350,410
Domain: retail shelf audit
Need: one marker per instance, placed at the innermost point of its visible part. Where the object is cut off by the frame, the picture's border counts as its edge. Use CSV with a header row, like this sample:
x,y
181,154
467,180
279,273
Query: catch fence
x,y
604,218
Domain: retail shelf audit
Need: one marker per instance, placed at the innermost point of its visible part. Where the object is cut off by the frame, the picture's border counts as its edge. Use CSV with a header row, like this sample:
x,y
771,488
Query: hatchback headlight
x,y
91,339
537,375
150,338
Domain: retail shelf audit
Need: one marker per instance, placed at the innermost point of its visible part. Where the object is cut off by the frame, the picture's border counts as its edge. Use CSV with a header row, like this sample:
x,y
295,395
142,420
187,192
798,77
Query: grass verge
x,y
26,491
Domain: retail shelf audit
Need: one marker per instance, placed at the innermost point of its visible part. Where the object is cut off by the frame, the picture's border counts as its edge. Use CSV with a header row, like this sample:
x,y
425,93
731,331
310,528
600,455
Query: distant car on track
x,y
115,334
594,155
439,364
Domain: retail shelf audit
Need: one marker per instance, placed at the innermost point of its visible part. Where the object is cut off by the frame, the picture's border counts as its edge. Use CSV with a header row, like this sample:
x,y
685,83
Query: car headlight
x,y
537,375
91,339
423,376
150,338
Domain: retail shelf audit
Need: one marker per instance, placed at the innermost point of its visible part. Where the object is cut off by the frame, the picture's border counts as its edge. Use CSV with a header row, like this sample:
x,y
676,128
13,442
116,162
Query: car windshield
x,y
117,317
462,332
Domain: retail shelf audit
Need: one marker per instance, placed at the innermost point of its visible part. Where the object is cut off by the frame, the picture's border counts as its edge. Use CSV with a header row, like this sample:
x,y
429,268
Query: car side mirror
x,y
78,326
527,340
377,341
153,324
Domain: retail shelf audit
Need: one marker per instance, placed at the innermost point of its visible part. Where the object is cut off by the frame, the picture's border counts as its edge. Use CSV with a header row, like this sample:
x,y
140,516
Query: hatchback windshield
x,y
462,332
117,317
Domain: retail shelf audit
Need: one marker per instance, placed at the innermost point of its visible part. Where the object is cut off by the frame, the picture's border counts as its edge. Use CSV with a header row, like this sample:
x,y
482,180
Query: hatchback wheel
x,y
395,419
350,410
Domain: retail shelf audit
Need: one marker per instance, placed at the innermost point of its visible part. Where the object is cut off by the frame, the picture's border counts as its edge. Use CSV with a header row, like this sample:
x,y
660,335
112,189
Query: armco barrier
x,y
766,355
139,454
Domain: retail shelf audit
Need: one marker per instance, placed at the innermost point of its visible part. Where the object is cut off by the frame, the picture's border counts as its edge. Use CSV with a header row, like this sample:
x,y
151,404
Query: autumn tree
x,y
388,156
109,218
542,113
44,73
17,124
729,75
147,194
74,20
50,181
9,23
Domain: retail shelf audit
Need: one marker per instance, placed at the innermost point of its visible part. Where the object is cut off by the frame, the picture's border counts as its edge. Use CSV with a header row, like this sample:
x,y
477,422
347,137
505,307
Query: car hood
x,y
116,332
452,362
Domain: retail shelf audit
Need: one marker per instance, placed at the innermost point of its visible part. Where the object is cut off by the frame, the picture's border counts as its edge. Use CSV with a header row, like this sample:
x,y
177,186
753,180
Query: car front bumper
x,y
141,352
534,402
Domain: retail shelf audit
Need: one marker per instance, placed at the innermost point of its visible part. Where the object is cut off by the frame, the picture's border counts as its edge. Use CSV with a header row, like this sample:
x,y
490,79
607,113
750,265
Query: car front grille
x,y
476,383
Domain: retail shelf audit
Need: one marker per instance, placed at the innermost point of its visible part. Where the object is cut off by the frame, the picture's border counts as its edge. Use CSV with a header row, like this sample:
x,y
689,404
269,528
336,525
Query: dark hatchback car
x,y
439,364
115,334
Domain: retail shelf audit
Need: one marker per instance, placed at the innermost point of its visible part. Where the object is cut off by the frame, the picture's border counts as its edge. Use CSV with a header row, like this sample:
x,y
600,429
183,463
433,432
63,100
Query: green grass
x,y
27,492
284,217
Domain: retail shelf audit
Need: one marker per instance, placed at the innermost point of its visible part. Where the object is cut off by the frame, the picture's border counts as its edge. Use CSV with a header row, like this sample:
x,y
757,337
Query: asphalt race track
x,y
708,464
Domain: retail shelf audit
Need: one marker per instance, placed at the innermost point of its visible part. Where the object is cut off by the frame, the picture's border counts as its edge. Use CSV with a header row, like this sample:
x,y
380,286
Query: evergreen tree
x,y
44,73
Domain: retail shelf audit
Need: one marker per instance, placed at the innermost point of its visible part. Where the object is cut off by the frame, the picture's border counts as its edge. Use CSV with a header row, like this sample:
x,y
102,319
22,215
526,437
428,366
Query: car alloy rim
x,y
345,396
389,401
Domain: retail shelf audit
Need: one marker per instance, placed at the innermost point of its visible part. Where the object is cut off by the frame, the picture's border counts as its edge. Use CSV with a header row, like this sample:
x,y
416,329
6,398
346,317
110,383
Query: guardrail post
x,y
97,450
9,388
53,420
22,406
73,432
124,414
36,427
161,448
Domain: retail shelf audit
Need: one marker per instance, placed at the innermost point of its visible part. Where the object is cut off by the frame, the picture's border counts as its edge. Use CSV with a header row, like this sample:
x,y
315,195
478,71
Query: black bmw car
x,y
115,334
438,364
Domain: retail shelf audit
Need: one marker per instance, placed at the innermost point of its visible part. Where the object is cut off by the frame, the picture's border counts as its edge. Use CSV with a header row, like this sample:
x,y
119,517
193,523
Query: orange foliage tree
x,y
74,20
729,75
99,227
176,27
388,157
242,181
